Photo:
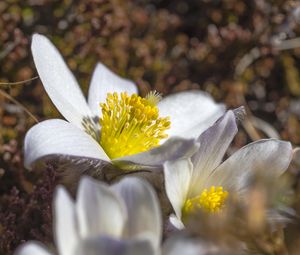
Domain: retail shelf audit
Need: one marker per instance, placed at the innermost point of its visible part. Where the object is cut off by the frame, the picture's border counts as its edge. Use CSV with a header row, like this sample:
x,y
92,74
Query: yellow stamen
x,y
130,124
211,201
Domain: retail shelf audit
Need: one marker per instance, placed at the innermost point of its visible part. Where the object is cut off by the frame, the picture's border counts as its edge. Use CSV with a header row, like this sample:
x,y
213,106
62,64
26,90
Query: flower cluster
x,y
185,136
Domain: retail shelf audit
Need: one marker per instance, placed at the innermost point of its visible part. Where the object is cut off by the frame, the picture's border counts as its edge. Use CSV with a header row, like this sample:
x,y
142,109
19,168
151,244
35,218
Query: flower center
x,y
210,200
131,124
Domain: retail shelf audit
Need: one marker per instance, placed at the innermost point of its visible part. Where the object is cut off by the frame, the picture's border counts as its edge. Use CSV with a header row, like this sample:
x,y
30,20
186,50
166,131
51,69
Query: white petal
x,y
174,148
213,144
143,208
105,81
65,222
191,112
99,210
111,246
282,215
176,222
32,248
270,157
178,245
56,136
177,181
58,80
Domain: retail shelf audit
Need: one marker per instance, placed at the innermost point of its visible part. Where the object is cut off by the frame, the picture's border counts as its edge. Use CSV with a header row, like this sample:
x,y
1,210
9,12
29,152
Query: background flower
x,y
187,180
122,219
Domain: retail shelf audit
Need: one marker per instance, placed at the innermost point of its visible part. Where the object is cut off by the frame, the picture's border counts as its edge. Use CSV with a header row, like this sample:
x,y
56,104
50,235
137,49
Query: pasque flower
x,y
203,182
124,218
114,124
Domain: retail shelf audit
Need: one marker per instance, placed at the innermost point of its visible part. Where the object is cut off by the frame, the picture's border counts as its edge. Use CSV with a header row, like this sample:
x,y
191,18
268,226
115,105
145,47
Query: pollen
x,y
210,200
131,124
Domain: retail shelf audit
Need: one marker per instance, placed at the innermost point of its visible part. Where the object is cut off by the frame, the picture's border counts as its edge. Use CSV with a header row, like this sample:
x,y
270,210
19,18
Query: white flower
x,y
190,113
122,219
204,182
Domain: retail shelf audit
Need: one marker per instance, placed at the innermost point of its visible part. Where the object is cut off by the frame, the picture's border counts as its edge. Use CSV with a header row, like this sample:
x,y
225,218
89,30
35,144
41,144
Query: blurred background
x,y
241,52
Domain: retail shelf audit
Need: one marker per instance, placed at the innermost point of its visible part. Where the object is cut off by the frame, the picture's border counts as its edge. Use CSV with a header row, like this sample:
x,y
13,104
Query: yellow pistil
x,y
131,124
210,200
153,97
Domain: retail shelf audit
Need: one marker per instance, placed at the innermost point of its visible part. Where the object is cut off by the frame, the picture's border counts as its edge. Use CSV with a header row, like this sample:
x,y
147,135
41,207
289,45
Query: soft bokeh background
x,y
239,51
